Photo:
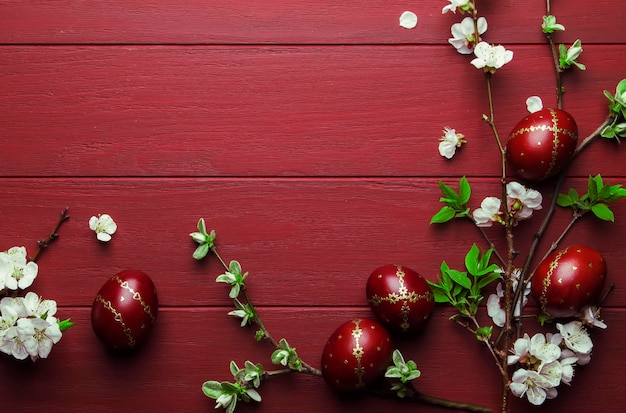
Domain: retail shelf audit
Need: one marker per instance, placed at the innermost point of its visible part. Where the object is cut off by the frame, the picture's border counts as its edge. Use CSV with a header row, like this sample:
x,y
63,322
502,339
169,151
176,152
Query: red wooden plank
x,y
325,234
267,111
190,346
284,21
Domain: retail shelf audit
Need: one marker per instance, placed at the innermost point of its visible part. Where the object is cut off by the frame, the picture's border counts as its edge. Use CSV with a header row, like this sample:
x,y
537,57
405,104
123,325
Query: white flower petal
x,y
482,25
534,104
495,311
447,149
103,236
408,20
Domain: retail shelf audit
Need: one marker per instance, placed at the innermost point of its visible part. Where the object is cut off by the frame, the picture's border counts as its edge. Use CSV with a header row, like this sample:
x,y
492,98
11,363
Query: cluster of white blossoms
x,y
546,361
521,202
27,324
15,271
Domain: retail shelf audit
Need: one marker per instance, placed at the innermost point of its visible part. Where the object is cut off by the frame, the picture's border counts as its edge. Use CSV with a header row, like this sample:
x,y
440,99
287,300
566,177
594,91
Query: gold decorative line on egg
x,y
556,141
403,295
117,316
543,300
136,297
357,352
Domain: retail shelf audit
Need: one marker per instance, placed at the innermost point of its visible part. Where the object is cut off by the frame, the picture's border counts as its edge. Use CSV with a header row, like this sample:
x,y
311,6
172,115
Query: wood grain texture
x,y
288,22
275,111
306,134
305,241
192,345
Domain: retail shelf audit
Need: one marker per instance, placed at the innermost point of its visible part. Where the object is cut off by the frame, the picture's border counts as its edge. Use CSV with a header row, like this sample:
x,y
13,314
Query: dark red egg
x,y
568,280
356,355
542,144
125,309
400,298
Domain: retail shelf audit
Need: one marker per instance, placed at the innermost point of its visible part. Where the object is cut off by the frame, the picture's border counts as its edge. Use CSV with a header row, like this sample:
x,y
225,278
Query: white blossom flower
x,y
488,213
463,34
8,318
552,373
18,273
408,20
522,201
590,317
453,5
5,271
532,384
568,360
449,142
13,305
495,308
36,307
490,58
534,104
576,337
534,352
38,335
13,344
104,226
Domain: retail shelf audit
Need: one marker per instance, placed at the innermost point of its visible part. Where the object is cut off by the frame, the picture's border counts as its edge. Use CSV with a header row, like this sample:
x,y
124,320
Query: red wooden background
x,y
305,132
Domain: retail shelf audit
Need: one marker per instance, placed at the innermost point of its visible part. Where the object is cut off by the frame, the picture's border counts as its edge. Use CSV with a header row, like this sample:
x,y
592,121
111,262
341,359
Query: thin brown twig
x,y
43,244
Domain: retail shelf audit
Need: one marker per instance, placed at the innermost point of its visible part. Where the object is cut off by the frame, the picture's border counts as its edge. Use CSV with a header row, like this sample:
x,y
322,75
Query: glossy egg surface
x,y
125,309
568,280
400,298
542,144
356,355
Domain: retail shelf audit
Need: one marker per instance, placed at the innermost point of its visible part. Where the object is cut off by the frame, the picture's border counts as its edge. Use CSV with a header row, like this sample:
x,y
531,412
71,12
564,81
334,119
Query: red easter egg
x,y
356,355
125,309
542,144
400,298
568,280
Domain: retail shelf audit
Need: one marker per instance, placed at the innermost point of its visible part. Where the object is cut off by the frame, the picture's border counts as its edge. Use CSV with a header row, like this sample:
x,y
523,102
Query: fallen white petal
x,y
534,104
408,20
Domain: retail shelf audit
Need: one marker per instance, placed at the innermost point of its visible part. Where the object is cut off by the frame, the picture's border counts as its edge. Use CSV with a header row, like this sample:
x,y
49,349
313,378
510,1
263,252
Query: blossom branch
x,y
53,235
415,395
511,254
306,368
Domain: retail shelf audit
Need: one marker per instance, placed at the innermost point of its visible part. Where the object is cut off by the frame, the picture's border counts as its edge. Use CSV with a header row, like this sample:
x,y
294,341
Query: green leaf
x,y
594,184
471,259
564,201
201,226
65,324
201,251
212,389
448,192
464,191
460,278
603,212
615,192
484,333
397,358
234,370
445,214
234,267
485,281
254,395
440,297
